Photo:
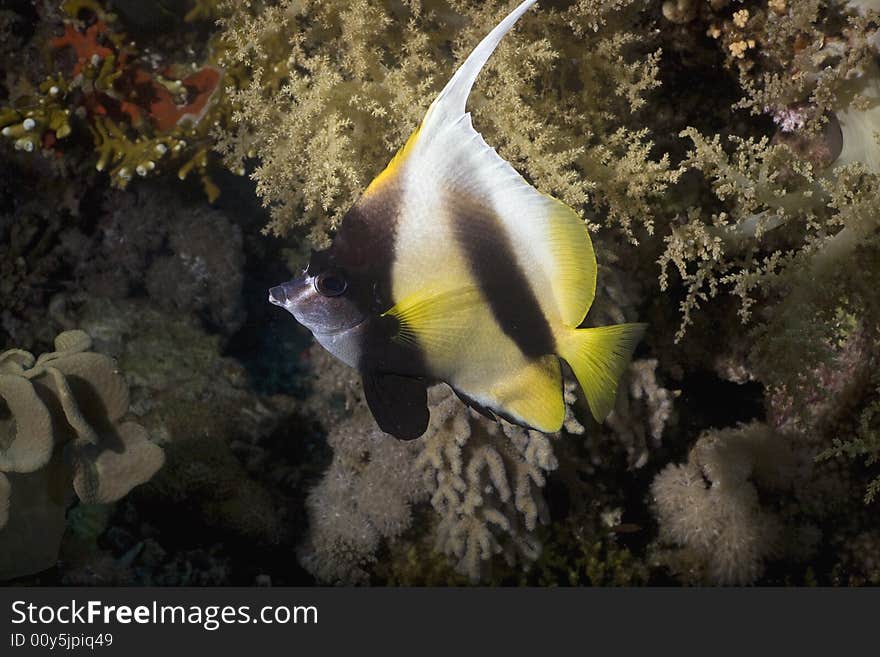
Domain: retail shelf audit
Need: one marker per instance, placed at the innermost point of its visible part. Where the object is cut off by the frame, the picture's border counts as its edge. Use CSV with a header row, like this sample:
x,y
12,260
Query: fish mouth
x,y
278,296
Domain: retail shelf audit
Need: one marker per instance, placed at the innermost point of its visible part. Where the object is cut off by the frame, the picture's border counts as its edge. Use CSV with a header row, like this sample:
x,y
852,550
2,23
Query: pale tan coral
x,y
107,473
364,498
710,508
642,410
26,438
486,480
483,479
334,93
64,435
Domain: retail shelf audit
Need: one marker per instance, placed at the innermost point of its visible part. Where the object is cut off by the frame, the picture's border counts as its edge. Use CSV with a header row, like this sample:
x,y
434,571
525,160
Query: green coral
x,y
864,444
575,555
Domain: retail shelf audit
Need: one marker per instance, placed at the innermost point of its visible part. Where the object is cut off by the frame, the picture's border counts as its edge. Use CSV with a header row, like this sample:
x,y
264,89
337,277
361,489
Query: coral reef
x,y
643,411
145,114
756,209
191,264
483,479
365,497
193,402
724,154
63,432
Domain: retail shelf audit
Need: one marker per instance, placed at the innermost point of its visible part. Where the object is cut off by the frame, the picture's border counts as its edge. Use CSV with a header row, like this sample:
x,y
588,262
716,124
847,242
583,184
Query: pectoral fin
x,y
436,320
398,403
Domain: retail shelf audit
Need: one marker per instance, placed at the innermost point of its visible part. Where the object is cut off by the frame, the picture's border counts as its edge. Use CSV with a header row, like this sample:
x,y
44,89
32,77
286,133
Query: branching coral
x,y
643,409
808,497
329,100
864,444
780,214
62,427
483,479
795,58
486,480
771,212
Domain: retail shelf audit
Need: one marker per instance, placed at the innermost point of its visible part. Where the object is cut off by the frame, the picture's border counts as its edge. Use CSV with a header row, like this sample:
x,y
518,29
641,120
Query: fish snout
x,y
286,294
278,295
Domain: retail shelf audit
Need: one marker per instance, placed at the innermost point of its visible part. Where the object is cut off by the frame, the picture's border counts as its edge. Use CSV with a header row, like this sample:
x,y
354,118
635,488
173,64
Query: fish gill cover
x,y
723,154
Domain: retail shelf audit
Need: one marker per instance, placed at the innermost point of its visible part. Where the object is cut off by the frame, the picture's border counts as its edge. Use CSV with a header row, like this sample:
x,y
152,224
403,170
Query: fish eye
x,y
331,283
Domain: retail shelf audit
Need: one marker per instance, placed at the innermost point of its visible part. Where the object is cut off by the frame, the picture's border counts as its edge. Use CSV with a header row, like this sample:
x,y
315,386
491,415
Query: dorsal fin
x,y
450,103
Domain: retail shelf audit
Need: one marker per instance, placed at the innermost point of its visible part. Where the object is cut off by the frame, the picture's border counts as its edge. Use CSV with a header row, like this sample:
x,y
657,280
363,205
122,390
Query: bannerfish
x,y
452,268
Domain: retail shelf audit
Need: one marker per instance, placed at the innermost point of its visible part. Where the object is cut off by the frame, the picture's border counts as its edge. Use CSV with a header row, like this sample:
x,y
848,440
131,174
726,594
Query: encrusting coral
x,y
62,431
144,114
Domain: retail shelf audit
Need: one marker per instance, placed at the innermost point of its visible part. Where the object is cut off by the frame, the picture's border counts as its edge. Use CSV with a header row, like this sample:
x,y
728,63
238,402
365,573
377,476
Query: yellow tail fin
x,y
598,357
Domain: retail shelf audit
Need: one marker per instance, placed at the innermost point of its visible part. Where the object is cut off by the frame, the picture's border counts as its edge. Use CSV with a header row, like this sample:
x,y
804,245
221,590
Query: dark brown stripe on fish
x,y
364,249
492,261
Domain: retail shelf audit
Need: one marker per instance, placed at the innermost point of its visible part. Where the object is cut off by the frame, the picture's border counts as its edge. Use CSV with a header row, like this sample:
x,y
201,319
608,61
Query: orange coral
x,y
201,85
84,44
128,90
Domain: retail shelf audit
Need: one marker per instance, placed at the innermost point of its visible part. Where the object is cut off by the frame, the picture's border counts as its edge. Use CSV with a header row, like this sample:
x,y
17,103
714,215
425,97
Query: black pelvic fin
x,y
399,404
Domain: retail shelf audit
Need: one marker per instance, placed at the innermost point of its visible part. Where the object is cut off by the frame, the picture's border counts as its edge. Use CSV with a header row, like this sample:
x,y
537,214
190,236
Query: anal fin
x,y
475,405
530,396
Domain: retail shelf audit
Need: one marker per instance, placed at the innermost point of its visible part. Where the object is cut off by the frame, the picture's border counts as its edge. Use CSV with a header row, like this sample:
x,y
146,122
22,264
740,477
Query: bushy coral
x,y
863,444
710,507
331,95
364,498
482,478
485,480
754,209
